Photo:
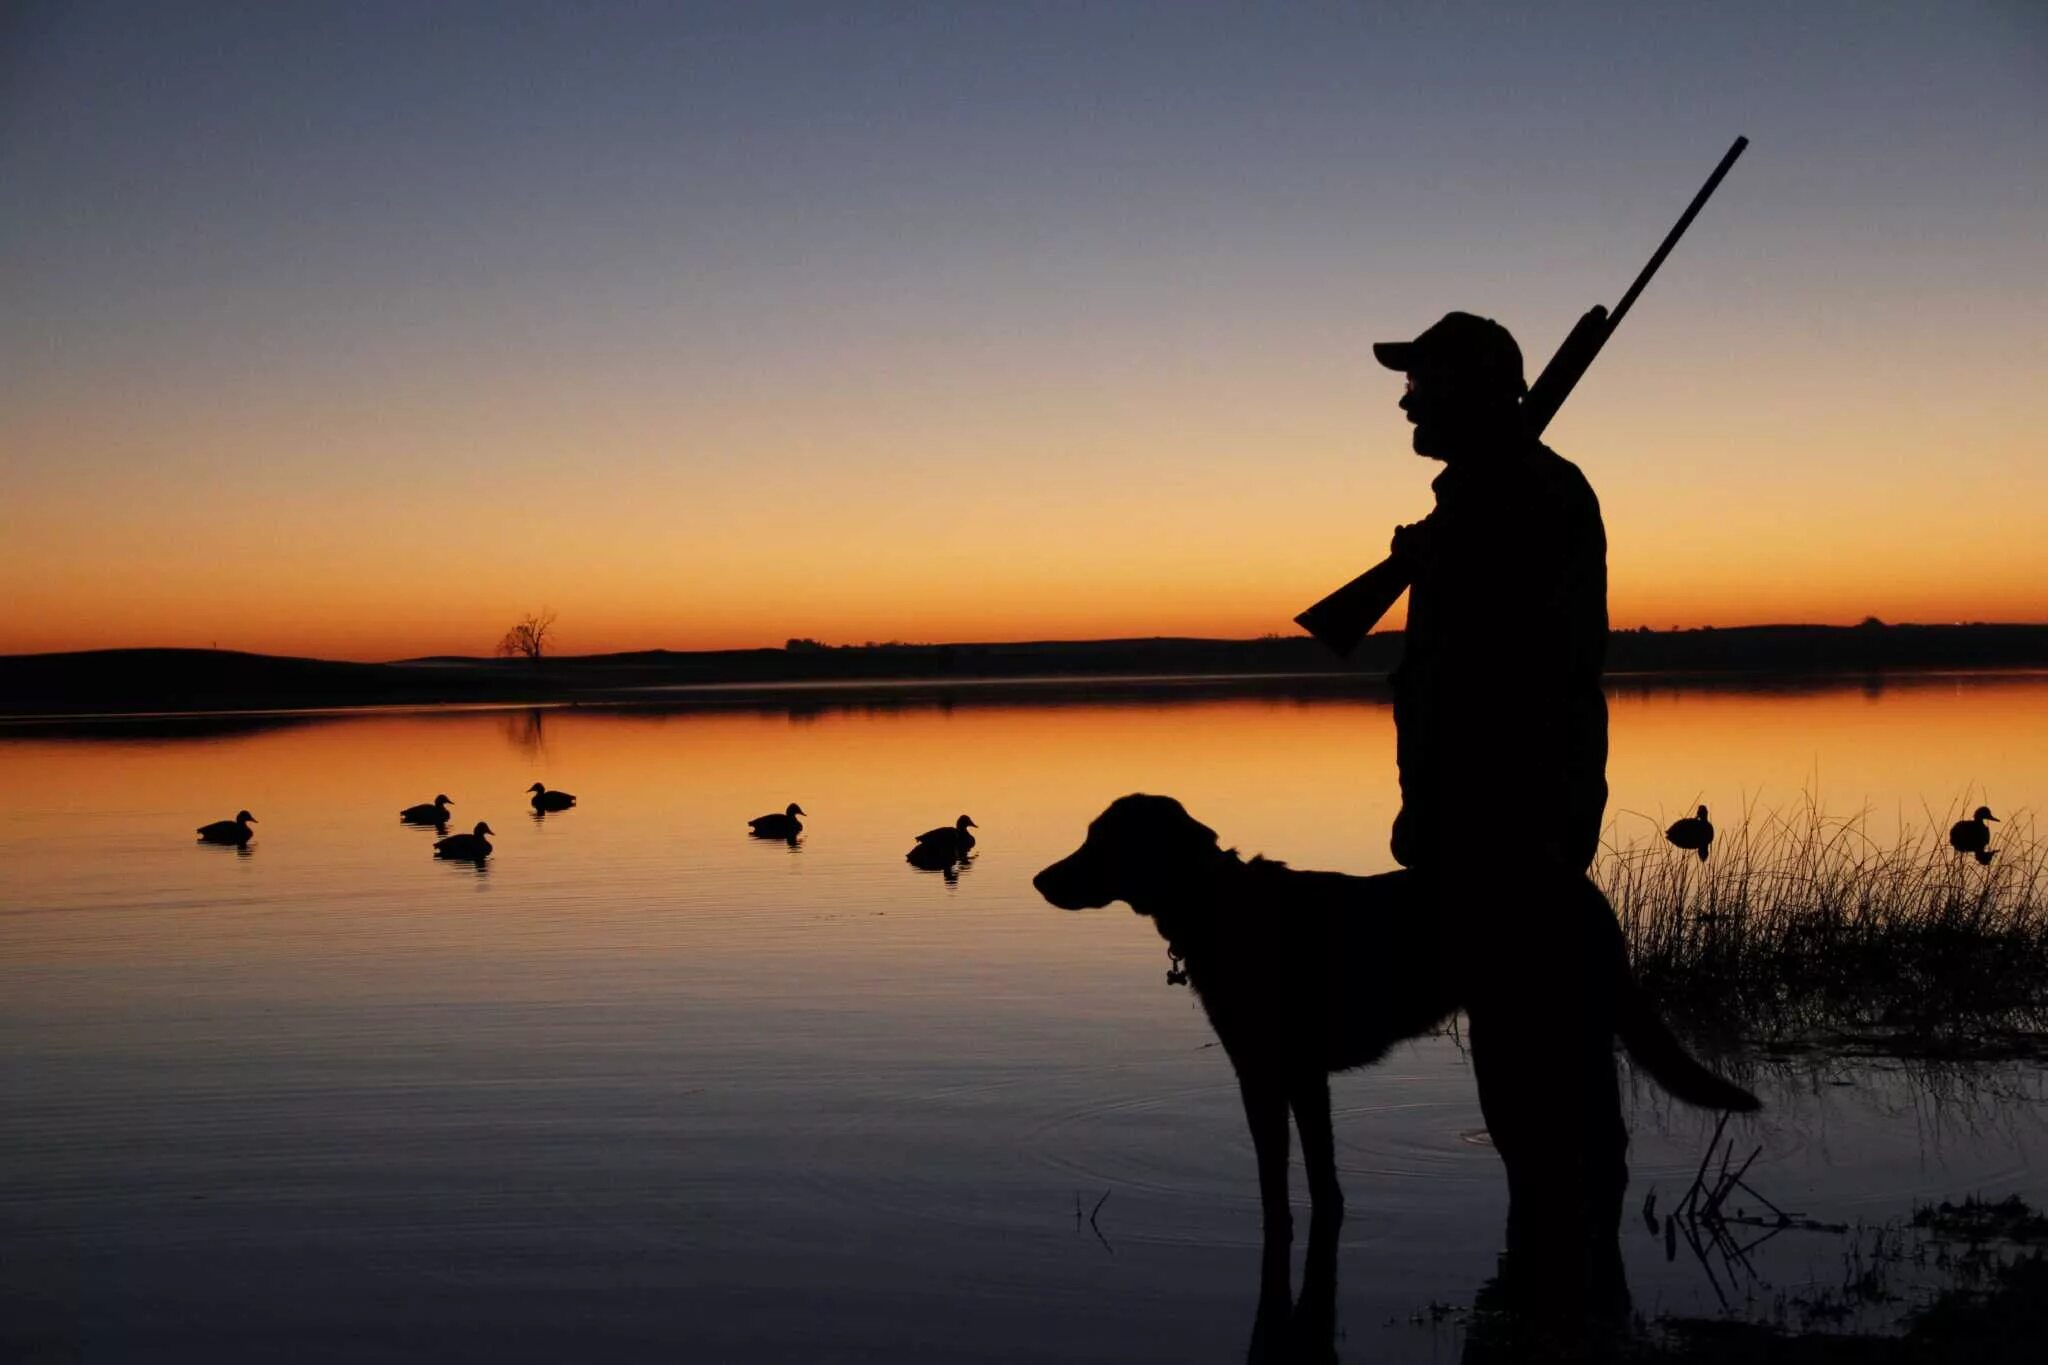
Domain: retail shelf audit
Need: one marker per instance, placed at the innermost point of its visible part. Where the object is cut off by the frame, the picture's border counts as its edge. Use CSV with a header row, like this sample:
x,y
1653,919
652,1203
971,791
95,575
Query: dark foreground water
x,y
642,1087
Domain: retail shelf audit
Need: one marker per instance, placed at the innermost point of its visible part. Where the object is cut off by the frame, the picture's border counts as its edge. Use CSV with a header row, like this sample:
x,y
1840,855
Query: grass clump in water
x,y
1800,931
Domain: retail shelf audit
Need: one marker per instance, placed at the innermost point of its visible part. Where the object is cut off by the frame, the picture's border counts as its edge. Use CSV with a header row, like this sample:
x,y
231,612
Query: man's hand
x,y
1412,543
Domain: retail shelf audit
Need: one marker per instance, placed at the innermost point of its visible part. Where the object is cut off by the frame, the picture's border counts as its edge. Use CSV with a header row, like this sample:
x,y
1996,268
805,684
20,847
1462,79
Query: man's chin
x,y
1424,443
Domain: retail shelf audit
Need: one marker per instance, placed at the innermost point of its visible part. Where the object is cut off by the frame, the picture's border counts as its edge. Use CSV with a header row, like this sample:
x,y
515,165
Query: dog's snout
x,y
1052,883
1067,886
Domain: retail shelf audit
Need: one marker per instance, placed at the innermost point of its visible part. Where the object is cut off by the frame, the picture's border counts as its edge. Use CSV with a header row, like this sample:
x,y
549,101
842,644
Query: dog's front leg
x,y
1309,1094
1265,1111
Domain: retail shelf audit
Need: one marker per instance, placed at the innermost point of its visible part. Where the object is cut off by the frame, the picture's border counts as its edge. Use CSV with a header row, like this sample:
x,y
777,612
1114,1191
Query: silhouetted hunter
x,y
1498,689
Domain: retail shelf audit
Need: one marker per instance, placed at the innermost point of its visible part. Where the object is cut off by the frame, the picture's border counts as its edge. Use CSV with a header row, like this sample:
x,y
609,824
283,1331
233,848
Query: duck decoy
x,y
951,840
235,831
471,847
1693,833
434,812
544,800
783,826
1973,836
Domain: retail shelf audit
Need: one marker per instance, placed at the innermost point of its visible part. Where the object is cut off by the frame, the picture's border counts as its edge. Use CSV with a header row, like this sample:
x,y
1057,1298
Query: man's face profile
x,y
1430,402
1452,414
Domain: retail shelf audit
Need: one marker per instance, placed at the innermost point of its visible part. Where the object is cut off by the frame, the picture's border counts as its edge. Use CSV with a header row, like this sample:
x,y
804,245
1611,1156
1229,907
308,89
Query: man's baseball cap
x,y
1465,345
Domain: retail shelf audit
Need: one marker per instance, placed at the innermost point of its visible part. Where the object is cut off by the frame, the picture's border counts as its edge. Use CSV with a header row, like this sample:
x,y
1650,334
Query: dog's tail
x,y
1650,1041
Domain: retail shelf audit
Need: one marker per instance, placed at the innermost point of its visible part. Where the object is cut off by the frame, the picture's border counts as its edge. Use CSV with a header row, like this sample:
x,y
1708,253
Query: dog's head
x,y
1140,849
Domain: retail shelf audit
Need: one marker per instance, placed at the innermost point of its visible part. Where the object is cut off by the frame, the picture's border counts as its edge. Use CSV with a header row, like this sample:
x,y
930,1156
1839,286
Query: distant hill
x,y
153,680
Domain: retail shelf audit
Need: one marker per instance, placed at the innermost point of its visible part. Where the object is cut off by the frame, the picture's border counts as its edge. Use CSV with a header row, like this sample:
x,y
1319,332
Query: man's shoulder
x,y
1557,466
1565,479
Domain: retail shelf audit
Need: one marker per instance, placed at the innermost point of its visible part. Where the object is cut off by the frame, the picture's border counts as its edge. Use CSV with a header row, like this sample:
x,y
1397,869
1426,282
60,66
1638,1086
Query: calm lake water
x,y
644,1086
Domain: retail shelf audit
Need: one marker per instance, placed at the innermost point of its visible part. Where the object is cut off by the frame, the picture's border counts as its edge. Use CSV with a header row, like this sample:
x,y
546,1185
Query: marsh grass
x,y
1802,932
1956,1282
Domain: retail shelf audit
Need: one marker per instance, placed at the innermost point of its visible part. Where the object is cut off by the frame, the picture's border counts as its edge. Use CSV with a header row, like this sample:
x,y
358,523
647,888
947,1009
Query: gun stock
x,y
1344,618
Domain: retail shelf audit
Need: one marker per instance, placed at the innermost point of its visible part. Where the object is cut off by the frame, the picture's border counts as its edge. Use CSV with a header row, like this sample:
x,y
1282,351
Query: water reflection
x,y
1290,1329
526,731
943,859
468,869
860,1104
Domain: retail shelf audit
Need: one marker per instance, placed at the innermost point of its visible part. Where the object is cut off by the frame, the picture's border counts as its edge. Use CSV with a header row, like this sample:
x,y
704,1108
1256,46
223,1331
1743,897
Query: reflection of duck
x,y
1693,833
235,831
470,847
951,840
433,813
1973,836
543,799
783,826
938,858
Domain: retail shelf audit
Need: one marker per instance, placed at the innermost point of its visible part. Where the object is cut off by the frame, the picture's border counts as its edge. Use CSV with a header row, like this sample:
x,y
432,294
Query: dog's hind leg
x,y
1265,1111
1309,1095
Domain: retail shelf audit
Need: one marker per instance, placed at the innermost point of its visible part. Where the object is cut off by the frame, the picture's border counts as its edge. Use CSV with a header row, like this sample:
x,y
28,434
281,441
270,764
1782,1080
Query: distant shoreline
x,y
164,682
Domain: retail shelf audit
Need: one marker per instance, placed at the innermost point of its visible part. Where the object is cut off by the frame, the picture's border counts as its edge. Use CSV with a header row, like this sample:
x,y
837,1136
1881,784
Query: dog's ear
x,y
1157,830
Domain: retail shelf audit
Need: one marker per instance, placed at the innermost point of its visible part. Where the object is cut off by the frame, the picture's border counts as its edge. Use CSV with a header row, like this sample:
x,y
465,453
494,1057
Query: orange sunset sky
x,y
358,331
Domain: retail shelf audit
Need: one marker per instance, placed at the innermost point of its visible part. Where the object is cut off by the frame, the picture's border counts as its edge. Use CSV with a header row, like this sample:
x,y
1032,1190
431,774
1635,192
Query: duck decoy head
x,y
1703,812
243,817
965,822
443,801
536,788
1984,813
483,828
794,809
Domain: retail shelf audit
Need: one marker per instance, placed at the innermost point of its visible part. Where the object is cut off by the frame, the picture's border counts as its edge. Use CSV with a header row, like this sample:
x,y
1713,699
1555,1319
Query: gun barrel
x,y
1692,211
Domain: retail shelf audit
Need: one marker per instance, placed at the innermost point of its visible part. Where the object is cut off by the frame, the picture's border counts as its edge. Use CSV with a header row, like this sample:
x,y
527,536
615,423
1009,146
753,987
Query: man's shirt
x,y
1497,701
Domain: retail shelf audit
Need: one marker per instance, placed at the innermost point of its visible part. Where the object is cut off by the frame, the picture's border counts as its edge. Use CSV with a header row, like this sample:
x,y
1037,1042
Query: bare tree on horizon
x,y
530,638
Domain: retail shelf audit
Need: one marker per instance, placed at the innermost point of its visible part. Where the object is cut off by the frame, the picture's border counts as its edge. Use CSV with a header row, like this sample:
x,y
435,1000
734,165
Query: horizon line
x,y
801,644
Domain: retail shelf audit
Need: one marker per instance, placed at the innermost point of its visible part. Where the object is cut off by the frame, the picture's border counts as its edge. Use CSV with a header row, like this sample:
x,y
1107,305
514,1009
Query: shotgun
x,y
1344,618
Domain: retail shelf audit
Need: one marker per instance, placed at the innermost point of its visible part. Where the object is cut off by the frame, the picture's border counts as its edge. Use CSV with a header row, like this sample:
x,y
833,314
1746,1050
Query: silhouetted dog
x,y
1306,973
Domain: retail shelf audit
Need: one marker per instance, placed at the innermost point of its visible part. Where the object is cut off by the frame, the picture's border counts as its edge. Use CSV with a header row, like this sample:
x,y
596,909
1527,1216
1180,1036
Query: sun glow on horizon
x,y
771,332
